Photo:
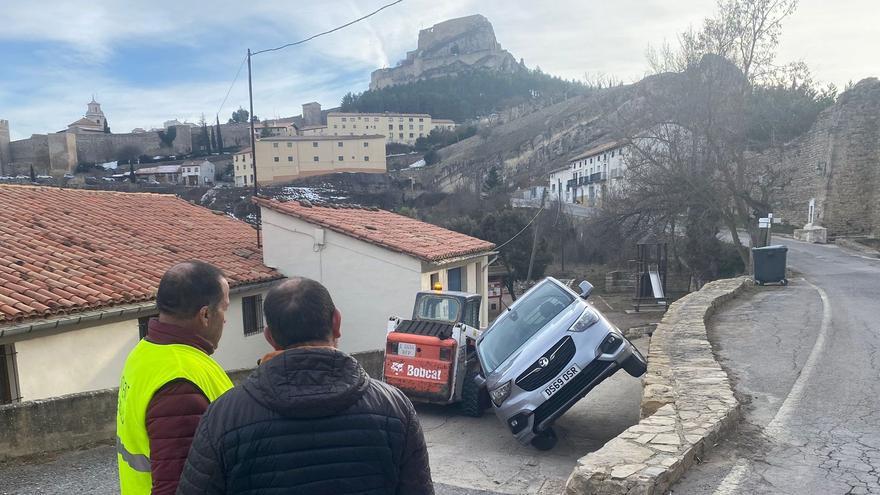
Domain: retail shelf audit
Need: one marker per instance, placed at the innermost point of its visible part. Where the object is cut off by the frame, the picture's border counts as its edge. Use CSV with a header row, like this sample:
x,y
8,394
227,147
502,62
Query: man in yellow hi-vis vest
x,y
169,379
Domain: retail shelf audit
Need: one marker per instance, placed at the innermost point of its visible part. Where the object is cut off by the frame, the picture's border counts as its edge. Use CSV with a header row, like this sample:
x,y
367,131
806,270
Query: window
x,y
366,144
366,158
274,145
275,158
390,127
252,314
421,134
339,144
421,127
343,126
334,126
314,144
410,135
401,135
375,119
290,158
411,127
315,158
344,119
144,325
421,119
8,375
340,158
410,119
400,127
290,145
245,180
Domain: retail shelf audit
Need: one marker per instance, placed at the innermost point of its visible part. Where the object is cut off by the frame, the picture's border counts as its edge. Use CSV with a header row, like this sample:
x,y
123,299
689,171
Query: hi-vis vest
x,y
147,369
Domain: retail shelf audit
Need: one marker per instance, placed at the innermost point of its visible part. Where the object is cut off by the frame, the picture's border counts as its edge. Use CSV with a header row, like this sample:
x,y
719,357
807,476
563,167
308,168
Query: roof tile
x,y
384,228
64,250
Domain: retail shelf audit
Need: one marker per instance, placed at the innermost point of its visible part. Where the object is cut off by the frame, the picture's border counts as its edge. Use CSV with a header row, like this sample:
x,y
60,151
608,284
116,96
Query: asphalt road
x,y
804,361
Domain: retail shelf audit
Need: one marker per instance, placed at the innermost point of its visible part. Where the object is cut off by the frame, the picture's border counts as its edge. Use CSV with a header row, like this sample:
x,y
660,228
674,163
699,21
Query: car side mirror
x,y
586,289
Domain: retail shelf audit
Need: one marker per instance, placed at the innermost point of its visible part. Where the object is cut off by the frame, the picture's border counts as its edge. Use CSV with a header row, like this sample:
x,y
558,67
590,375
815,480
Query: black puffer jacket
x,y
309,421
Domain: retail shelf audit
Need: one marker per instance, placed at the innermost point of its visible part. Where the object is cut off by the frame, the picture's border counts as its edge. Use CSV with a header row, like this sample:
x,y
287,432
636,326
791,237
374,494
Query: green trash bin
x,y
769,264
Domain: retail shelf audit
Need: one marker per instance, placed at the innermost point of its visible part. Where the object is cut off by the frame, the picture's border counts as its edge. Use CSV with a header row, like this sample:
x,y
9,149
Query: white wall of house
x,y
368,283
74,361
92,358
237,350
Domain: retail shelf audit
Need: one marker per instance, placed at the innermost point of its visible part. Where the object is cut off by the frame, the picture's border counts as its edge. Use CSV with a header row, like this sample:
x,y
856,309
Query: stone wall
x,y
77,420
688,404
837,162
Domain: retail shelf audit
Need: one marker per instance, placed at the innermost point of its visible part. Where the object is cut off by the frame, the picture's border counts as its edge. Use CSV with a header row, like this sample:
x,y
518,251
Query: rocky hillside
x,y
449,48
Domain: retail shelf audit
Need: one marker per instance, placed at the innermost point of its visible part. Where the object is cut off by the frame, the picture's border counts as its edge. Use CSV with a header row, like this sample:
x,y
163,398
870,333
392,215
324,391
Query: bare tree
x,y
688,158
746,32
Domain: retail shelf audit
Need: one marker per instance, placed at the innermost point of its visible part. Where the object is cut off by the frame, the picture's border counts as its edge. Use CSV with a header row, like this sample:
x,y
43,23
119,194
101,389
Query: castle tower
x,y
311,113
5,156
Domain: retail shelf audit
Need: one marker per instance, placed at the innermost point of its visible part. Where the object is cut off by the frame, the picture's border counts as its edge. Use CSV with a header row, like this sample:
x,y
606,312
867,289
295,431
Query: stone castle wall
x,y
837,162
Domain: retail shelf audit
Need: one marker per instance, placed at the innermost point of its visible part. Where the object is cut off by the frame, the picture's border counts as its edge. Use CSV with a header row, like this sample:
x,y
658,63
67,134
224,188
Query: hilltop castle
x,y
449,48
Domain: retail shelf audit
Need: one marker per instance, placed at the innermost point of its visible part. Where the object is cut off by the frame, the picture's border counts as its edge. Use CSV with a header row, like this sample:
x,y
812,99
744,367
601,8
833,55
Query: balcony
x,y
598,177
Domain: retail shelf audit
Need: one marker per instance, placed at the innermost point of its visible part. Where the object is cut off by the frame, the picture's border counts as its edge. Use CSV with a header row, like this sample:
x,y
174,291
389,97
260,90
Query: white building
x,y
372,261
197,173
166,174
80,280
591,175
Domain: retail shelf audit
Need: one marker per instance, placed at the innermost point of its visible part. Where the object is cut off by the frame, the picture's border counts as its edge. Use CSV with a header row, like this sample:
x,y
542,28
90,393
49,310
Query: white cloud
x,y
569,38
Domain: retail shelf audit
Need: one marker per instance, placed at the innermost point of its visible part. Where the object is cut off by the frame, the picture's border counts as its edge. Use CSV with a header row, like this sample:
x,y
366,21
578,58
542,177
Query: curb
x,y
687,405
857,247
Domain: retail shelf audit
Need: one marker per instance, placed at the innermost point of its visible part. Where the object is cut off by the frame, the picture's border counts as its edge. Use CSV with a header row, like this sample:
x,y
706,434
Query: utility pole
x,y
535,240
254,149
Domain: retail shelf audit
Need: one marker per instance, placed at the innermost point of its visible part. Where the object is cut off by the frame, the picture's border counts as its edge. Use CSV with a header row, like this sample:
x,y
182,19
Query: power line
x,y
330,31
231,85
521,231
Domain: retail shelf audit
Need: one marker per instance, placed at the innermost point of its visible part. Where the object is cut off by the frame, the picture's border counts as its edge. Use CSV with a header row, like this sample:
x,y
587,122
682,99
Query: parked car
x,y
545,353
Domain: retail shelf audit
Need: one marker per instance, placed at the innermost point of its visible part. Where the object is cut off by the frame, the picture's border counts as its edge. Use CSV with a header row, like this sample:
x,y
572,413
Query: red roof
x,y
65,250
383,228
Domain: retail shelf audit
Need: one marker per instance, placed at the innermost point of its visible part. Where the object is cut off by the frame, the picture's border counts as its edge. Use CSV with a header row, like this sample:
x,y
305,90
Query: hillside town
x,y
456,274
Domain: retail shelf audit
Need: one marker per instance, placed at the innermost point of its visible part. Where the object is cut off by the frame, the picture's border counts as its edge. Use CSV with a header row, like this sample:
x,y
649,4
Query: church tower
x,y
95,114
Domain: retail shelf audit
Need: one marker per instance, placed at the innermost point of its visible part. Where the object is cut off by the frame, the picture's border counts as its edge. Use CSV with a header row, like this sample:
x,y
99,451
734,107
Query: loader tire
x,y
470,404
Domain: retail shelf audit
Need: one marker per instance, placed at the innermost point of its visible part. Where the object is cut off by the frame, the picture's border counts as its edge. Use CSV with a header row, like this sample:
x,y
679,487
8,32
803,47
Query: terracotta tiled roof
x,y
598,149
390,230
64,250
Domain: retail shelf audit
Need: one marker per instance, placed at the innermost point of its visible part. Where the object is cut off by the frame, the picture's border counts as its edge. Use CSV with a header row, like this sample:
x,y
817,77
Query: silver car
x,y
546,352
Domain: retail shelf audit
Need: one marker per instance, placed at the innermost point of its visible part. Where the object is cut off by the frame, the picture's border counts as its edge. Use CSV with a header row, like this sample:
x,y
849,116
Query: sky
x,y
151,61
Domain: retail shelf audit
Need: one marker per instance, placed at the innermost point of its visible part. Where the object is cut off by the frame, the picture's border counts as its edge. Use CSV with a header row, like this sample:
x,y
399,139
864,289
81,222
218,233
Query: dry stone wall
x,y
688,404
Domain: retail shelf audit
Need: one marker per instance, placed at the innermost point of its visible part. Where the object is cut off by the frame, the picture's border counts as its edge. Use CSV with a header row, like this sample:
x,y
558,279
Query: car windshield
x,y
438,308
531,313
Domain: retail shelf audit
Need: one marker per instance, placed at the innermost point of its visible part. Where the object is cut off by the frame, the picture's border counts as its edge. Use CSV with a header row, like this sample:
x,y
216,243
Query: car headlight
x,y
587,319
500,394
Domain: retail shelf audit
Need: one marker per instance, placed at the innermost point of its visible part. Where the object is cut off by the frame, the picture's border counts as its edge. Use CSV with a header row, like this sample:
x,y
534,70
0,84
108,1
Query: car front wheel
x,y
545,440
635,365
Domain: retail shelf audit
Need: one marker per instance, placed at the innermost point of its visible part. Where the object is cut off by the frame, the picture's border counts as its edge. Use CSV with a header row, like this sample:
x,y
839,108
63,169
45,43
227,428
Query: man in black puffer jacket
x,y
309,420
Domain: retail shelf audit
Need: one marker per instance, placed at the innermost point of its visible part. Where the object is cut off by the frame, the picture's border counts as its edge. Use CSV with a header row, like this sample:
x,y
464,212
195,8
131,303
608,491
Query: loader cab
x,y
448,307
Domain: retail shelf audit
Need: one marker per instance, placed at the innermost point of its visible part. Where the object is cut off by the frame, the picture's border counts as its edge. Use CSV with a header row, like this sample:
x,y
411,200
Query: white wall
x,y
92,358
368,283
74,361
237,351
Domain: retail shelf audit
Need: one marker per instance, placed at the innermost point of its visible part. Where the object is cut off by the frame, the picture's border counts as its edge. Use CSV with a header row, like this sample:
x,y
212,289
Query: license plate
x,y
406,349
557,384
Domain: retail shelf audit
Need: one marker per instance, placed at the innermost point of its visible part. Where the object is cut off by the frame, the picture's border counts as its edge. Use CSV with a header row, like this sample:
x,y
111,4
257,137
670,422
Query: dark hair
x,y
299,310
187,287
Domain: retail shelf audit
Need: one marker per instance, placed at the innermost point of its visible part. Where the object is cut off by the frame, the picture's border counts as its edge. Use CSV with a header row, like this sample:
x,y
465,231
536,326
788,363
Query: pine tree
x,y
106,127
213,139
219,136
33,174
131,176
